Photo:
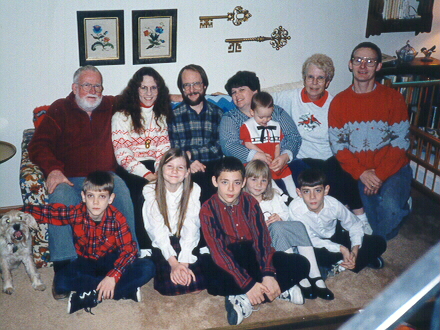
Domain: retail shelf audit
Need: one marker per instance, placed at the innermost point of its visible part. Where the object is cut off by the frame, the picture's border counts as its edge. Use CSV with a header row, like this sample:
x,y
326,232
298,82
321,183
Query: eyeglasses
x,y
146,89
367,60
88,87
196,85
319,79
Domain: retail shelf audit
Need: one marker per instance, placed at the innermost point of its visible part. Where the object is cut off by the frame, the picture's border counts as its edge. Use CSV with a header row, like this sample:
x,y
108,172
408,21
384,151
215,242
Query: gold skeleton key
x,y
238,16
278,39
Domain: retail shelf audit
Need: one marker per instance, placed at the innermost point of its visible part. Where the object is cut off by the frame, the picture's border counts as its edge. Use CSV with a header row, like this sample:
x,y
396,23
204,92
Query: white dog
x,y
16,248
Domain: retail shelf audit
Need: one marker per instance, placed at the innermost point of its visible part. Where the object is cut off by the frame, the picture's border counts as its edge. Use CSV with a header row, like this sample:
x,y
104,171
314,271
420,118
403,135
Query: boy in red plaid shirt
x,y
107,266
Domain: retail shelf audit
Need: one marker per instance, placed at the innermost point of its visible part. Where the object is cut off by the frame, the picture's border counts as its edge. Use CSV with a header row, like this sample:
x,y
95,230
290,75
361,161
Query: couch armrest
x,y
32,181
34,192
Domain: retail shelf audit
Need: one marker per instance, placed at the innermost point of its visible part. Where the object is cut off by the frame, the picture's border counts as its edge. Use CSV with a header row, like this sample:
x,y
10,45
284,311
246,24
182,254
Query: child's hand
x,y
349,258
273,287
181,274
106,288
273,218
256,294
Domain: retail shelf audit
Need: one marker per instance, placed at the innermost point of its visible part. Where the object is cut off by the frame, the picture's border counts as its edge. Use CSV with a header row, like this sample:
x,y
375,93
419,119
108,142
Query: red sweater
x,y
72,142
369,131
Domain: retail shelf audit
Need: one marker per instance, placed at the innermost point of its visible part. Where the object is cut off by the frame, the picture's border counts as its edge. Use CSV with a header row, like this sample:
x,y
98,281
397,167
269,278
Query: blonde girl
x,y
285,234
171,218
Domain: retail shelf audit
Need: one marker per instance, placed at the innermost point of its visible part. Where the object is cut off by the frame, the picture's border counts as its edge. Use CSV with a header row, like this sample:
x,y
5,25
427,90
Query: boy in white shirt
x,y
335,232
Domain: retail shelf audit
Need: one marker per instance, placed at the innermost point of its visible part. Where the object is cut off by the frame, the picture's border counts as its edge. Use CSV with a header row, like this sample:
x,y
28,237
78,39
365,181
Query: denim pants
x,y
60,237
386,209
84,275
290,269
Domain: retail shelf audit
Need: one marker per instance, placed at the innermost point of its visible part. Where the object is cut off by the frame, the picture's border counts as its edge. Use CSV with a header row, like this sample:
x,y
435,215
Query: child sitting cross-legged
x,y
107,266
171,218
336,234
285,234
242,264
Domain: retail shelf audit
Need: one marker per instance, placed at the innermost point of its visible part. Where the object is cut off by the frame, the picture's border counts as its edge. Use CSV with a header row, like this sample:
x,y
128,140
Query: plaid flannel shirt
x,y
197,133
92,240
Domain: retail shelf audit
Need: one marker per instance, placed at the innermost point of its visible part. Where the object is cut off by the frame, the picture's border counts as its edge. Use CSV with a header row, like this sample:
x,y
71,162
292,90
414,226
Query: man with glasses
x,y
194,127
73,140
368,130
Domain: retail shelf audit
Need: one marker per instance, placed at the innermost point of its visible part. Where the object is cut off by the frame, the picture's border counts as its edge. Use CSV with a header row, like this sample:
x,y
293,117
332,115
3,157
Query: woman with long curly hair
x,y
140,136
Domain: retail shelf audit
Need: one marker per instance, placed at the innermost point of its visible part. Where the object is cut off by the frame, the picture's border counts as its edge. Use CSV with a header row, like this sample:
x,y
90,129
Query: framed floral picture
x,y
101,37
154,36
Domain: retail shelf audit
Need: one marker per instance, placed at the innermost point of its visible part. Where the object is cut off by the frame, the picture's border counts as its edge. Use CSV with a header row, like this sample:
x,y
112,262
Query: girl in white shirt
x,y
285,234
171,218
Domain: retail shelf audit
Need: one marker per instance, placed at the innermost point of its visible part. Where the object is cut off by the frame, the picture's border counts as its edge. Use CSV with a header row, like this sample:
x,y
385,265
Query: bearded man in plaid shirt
x,y
194,128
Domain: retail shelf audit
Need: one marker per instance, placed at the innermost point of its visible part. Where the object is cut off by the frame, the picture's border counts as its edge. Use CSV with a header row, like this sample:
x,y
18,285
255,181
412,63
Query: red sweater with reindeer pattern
x,y
369,131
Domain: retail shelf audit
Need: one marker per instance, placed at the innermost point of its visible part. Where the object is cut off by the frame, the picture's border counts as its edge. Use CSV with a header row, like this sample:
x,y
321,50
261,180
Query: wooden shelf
x,y
415,67
376,24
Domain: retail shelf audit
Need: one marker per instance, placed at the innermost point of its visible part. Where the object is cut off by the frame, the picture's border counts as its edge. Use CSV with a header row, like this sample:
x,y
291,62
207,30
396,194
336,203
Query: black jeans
x,y
290,269
372,247
135,184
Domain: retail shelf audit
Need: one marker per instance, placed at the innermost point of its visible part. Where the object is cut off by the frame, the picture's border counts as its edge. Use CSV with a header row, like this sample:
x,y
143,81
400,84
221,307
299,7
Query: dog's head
x,y
16,226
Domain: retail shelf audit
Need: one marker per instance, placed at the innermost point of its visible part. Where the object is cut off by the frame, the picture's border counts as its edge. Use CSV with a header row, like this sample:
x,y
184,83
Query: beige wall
x,y
39,51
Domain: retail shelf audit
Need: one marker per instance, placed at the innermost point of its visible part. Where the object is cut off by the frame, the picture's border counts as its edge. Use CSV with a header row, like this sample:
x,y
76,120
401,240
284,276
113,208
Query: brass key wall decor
x,y
278,39
238,16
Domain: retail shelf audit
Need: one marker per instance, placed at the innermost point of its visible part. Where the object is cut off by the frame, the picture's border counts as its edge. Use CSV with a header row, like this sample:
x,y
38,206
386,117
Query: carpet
x,y
30,309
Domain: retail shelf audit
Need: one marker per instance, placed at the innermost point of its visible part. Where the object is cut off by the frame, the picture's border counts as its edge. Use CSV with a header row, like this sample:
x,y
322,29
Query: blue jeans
x,y
84,275
386,209
60,237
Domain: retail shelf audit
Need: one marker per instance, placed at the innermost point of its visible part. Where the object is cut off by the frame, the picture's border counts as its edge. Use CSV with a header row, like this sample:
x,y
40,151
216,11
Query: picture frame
x,y
101,37
154,36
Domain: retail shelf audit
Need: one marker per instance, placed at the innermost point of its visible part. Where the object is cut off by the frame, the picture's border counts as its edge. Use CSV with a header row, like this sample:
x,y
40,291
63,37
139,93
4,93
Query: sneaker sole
x,y
232,313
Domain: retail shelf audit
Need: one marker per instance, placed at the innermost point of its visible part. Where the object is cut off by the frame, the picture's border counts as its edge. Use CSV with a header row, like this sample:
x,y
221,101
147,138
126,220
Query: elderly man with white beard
x,y
73,140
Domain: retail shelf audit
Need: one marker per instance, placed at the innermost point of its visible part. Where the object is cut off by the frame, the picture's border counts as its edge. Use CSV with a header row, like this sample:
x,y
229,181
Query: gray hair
x,y
322,62
82,69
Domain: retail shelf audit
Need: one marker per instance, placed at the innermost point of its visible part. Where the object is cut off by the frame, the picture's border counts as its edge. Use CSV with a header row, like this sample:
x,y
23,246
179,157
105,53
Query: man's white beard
x,y
86,105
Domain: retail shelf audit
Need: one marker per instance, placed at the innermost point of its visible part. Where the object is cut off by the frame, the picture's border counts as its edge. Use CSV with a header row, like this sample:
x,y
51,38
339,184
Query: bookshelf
x,y
425,70
399,16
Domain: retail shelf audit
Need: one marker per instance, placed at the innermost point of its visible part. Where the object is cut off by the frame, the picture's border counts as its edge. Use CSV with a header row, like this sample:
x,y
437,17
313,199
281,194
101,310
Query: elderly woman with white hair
x,y
308,108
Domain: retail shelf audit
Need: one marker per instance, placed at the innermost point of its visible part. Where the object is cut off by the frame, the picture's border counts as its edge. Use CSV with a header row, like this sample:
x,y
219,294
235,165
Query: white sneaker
x,y
237,308
293,295
138,295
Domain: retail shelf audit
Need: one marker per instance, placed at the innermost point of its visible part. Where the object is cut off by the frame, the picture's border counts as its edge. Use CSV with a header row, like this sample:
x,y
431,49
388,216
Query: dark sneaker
x,y
377,263
238,308
84,300
58,295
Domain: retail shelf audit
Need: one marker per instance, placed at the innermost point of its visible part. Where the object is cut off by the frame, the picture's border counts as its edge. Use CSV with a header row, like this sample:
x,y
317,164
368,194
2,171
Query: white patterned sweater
x,y
131,148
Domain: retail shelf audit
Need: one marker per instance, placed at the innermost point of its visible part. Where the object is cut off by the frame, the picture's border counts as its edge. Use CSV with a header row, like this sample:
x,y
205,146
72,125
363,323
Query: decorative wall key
x,y
278,39
238,16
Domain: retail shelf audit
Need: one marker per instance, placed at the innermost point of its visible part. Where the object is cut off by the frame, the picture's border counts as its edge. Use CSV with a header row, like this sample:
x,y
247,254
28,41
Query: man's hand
x,y
196,166
272,285
279,162
273,218
256,294
54,179
263,157
106,288
371,181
